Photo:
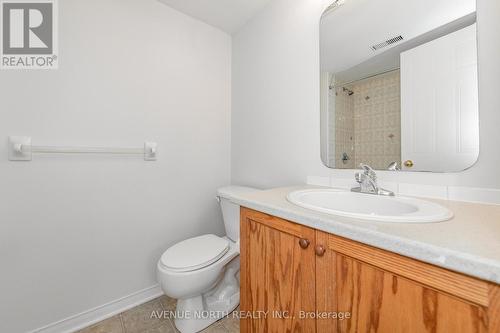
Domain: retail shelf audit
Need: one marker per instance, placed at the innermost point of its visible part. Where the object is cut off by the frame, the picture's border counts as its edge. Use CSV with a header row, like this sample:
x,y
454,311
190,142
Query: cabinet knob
x,y
320,250
304,243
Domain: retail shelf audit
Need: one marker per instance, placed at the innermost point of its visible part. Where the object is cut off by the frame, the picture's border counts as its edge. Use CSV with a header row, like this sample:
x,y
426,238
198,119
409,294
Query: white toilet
x,y
203,272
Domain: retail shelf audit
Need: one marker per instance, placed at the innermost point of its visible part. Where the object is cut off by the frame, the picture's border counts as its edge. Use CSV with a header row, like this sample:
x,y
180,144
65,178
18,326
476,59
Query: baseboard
x,y
87,318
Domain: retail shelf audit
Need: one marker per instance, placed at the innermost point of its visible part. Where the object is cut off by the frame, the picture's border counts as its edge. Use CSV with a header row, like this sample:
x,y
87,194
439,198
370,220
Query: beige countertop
x,y
469,243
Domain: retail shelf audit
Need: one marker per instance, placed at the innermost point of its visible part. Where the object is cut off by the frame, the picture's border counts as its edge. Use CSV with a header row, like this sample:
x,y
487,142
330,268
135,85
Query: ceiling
x,y
348,32
228,15
391,59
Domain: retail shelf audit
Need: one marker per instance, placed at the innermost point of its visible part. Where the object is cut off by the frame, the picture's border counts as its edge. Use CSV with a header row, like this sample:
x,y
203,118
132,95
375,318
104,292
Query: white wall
x,y
275,114
77,232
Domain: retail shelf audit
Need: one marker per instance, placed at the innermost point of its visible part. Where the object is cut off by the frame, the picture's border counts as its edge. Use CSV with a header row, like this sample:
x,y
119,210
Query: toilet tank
x,y
230,210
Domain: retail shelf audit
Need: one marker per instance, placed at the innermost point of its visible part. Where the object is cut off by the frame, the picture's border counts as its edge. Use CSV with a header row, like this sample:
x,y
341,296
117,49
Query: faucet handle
x,y
368,171
393,166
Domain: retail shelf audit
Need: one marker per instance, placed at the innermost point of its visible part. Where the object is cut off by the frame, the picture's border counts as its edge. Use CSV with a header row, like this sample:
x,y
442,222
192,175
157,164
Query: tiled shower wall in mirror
x,y
367,116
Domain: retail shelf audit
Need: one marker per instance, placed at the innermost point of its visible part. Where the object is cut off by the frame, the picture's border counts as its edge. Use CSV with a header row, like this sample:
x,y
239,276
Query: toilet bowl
x,y
202,273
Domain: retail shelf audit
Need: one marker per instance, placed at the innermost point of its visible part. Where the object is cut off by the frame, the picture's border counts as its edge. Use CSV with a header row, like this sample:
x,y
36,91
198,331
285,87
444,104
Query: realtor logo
x,y
29,34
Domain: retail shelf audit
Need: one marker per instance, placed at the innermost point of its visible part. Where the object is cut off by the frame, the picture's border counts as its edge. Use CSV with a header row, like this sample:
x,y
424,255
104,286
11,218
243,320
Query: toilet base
x,y
199,312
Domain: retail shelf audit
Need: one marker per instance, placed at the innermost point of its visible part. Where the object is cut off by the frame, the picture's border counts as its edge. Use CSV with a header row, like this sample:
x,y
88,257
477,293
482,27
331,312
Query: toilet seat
x,y
194,253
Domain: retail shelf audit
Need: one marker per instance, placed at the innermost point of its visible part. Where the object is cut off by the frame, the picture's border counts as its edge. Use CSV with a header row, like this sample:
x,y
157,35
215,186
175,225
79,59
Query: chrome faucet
x,y
367,180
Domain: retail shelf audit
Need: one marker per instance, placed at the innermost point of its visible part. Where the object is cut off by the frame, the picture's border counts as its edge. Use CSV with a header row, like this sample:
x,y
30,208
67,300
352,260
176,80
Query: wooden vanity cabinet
x,y
297,279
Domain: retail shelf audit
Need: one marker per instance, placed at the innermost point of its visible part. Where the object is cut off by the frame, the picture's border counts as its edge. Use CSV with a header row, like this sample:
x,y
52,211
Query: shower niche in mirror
x,y
399,85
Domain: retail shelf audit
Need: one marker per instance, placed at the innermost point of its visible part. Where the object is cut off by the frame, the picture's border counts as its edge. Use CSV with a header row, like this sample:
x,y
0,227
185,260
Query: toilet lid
x,y
195,253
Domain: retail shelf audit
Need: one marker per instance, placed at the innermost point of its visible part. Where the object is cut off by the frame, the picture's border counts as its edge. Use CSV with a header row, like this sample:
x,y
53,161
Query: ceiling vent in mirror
x,y
388,42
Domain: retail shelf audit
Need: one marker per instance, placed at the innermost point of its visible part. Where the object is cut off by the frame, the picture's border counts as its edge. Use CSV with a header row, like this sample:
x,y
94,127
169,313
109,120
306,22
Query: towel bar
x,y
21,149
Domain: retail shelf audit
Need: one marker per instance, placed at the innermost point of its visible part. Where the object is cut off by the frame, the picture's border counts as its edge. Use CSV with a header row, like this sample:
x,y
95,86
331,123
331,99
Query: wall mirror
x,y
399,85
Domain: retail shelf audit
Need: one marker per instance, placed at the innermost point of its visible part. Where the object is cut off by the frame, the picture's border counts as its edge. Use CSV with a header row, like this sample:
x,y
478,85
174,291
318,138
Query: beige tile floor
x,y
138,320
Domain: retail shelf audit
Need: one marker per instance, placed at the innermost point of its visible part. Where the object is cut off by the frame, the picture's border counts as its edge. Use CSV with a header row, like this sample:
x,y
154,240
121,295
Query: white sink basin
x,y
370,207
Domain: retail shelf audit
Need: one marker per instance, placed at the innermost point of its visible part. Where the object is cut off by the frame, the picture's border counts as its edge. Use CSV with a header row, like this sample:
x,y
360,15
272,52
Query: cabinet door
x,y
277,274
384,302
385,292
